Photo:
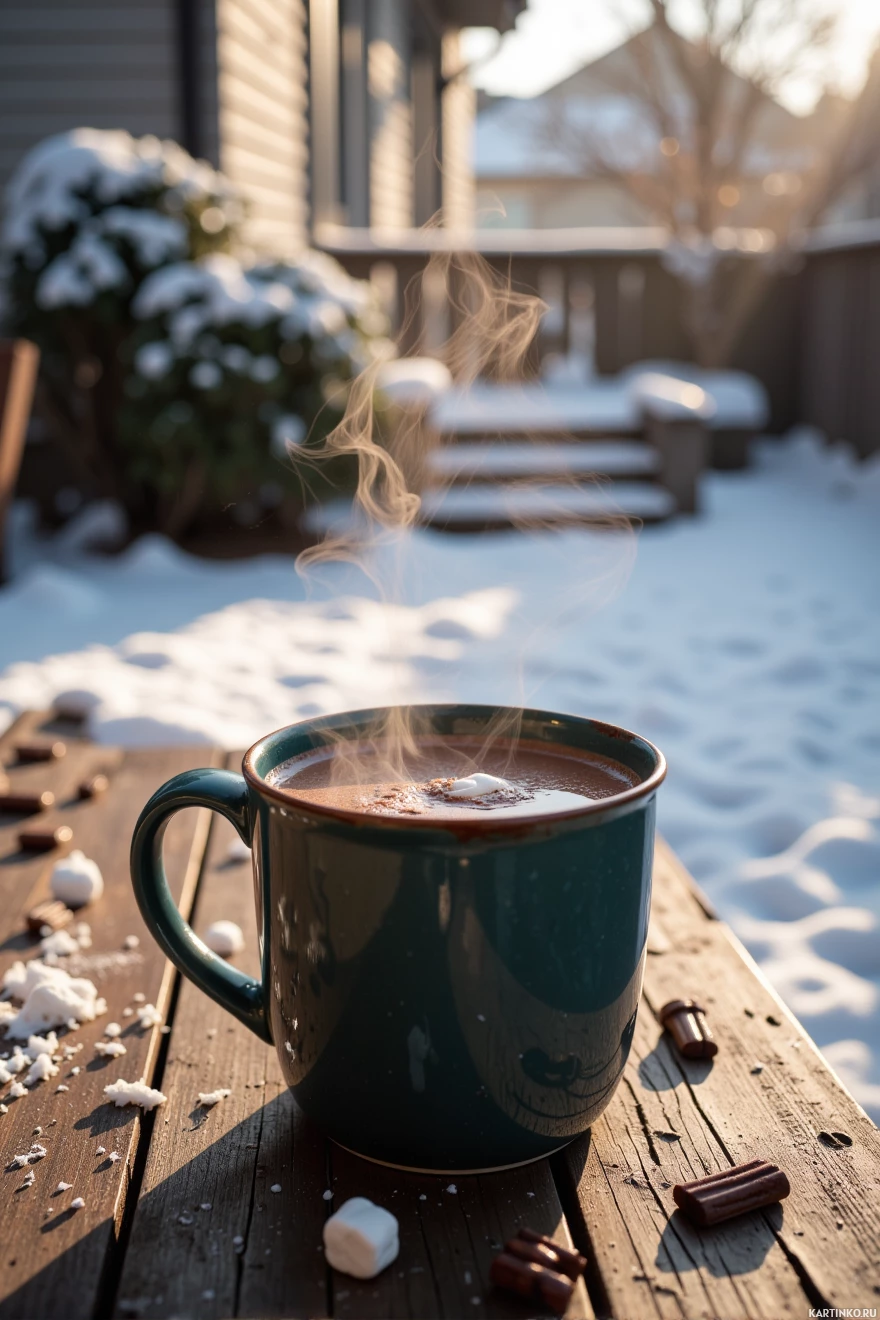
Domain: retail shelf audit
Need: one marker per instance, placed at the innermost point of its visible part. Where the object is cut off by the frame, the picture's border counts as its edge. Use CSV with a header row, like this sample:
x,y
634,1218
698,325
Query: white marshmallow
x,y
76,880
361,1238
476,785
225,938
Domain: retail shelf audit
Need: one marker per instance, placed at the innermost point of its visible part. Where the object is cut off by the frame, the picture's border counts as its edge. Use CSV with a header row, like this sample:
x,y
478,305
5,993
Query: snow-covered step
x,y
487,507
488,462
600,408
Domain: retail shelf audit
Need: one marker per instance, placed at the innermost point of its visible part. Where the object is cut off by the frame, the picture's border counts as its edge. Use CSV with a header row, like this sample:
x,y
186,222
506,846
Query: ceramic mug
x,y
443,996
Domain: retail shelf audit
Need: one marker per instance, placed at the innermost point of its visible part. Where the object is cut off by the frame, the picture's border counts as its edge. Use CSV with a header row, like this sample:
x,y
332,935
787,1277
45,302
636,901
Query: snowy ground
x,y
746,643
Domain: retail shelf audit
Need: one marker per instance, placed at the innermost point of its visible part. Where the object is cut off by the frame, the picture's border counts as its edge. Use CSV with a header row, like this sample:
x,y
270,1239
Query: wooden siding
x,y
355,118
459,101
262,116
390,107
98,63
840,345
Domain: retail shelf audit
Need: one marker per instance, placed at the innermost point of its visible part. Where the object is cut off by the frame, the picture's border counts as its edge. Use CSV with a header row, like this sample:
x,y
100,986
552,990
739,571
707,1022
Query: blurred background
x,y
612,270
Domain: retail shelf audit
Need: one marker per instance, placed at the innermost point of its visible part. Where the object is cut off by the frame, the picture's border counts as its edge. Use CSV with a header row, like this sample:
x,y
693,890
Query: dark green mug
x,y
440,998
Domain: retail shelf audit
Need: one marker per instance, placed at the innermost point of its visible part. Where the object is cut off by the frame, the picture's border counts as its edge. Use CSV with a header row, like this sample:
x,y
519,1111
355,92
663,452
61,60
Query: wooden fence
x,y
839,336
813,339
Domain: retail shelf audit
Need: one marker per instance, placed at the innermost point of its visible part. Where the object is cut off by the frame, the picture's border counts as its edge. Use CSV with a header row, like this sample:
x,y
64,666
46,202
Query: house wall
x,y
105,64
355,143
262,93
390,114
458,106
96,63
406,127
258,87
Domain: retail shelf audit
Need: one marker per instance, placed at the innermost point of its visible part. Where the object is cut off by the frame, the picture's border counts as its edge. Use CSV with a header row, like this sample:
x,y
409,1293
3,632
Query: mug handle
x,y
227,793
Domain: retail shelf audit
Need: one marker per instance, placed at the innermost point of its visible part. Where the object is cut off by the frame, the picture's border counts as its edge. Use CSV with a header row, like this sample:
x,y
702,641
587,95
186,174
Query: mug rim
x,y
594,807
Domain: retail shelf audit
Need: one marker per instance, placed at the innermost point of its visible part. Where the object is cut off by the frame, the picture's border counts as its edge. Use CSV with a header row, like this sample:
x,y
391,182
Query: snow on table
x,y
744,642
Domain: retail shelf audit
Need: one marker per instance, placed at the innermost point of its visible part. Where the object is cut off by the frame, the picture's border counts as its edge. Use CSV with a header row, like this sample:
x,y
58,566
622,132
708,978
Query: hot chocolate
x,y
454,778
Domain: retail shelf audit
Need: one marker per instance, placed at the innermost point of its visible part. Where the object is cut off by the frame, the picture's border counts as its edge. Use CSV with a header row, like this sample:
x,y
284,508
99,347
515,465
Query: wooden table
x,y
186,1223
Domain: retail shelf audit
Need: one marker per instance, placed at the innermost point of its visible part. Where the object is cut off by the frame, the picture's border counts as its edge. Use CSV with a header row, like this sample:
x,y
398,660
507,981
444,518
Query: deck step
x,y
603,408
485,507
466,462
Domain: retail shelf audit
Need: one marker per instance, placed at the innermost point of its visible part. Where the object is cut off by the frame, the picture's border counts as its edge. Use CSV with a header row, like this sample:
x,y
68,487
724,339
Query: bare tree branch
x,y
695,135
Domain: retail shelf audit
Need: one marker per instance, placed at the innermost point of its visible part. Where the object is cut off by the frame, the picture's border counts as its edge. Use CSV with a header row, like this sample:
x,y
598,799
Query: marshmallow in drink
x,y
476,785
361,1238
76,880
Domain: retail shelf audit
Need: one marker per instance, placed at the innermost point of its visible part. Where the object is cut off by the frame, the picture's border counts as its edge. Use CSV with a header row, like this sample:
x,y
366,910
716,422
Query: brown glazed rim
x,y
459,827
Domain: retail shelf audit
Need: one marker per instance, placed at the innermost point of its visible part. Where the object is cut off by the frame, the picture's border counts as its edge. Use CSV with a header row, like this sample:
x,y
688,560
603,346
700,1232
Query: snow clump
x,y
49,998
210,1098
134,1093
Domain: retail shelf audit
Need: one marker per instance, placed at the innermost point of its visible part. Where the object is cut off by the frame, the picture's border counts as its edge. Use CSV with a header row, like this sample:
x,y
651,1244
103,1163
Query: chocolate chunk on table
x,y
92,787
26,804
542,1250
721,1196
30,753
36,840
531,1280
52,913
686,1023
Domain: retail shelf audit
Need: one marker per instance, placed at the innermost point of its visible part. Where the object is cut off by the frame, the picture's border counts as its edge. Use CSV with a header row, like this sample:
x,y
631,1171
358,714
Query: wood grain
x,y
671,1120
44,1253
674,1119
447,1240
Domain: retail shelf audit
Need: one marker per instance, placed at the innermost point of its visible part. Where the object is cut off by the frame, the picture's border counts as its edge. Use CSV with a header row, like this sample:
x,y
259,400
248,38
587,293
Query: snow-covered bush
x,y
167,367
88,215
235,367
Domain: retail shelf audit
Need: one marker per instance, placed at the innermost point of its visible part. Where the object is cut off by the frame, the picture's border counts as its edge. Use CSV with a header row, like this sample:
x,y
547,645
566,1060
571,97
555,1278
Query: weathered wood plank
x,y
227,1157
675,1119
24,876
53,1265
447,1240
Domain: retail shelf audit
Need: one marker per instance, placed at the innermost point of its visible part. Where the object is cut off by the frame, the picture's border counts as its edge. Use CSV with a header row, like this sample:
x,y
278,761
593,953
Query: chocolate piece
x,y
44,840
720,1196
52,913
686,1023
26,804
90,788
28,753
533,1281
546,1252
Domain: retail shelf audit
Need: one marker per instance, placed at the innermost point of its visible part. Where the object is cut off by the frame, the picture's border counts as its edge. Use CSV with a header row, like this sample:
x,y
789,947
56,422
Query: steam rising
x,y
495,327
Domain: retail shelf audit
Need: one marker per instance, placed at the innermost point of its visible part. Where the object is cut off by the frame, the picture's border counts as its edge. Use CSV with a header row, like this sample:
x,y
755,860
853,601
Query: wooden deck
x,y
186,1222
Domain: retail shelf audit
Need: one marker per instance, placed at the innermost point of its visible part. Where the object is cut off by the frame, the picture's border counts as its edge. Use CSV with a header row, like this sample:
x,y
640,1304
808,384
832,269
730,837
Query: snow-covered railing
x,y
614,299
611,300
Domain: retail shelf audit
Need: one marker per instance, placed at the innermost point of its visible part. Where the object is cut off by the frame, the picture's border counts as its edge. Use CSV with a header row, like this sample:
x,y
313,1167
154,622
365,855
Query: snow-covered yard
x,y
746,643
